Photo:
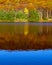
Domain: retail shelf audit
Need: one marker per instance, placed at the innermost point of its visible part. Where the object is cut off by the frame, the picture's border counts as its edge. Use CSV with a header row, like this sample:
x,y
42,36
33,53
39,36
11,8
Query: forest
x,y
26,10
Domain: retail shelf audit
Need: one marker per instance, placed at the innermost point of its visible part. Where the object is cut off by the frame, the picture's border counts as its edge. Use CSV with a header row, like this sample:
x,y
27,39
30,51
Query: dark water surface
x,y
18,27
40,57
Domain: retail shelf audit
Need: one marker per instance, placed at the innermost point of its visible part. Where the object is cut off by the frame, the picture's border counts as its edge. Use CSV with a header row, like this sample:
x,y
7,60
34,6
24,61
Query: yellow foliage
x,y
26,11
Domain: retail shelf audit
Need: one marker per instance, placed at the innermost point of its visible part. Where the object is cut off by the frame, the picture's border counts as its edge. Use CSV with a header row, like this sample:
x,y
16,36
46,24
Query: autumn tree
x,y
33,16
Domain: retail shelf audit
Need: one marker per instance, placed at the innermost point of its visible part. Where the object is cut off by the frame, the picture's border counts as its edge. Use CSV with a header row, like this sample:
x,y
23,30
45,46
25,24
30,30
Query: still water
x,y
39,57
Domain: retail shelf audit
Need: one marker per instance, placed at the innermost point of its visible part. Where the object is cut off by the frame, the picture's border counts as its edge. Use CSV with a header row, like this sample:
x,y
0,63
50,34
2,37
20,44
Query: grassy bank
x,y
22,42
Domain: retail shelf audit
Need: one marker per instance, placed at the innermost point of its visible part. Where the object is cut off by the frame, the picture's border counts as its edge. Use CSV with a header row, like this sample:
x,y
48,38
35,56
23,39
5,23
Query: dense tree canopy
x,y
49,2
29,4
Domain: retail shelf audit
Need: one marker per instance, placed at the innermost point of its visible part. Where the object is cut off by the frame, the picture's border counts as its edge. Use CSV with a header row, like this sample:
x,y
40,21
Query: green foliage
x,y
21,15
2,14
10,15
33,16
7,15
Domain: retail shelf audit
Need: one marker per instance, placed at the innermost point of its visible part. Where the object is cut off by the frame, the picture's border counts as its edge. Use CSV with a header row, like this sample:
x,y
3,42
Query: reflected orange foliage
x,y
20,41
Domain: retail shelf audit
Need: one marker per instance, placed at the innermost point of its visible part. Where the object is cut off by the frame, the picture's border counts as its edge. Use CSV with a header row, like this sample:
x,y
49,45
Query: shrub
x,y
7,15
10,15
21,15
33,16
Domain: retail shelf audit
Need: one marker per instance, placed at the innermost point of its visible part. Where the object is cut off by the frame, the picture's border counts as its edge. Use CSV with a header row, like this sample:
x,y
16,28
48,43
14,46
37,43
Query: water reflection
x,y
41,57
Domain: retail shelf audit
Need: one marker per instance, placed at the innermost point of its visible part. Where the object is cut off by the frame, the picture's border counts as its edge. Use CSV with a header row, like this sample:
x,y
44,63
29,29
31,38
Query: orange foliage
x,y
30,6
18,4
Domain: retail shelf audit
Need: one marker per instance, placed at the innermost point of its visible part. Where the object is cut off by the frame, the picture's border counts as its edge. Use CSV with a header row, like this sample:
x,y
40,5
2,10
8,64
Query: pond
x,y
38,57
20,27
